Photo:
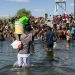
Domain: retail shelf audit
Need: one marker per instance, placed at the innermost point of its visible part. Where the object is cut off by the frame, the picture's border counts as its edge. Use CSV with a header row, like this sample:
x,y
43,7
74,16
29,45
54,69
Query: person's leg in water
x,y
72,39
26,60
23,60
50,53
19,60
68,41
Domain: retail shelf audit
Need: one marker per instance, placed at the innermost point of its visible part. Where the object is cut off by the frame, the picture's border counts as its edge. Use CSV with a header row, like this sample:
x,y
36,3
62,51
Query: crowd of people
x,y
59,23
6,30
60,27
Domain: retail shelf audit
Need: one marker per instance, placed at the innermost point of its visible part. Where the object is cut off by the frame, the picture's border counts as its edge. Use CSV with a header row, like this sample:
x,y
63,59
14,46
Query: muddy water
x,y
63,63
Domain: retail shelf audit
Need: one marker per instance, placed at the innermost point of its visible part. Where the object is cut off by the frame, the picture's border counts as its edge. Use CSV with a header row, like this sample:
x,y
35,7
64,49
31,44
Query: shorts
x,y
23,59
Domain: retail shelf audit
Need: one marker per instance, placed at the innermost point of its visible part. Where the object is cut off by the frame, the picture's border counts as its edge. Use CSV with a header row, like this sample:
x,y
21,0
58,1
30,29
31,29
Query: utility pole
x,y
74,9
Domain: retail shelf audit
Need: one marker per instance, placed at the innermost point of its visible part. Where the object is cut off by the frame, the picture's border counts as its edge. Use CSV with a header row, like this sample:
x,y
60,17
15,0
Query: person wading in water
x,y
50,39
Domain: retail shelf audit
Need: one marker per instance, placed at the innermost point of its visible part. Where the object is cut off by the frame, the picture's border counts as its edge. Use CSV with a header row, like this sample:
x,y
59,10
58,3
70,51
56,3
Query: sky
x,y
38,8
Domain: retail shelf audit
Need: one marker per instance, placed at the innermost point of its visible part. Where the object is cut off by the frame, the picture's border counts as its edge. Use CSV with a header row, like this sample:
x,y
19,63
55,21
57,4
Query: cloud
x,y
18,0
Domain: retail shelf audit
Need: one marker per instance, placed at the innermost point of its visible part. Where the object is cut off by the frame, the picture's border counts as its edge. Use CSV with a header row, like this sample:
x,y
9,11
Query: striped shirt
x,y
25,39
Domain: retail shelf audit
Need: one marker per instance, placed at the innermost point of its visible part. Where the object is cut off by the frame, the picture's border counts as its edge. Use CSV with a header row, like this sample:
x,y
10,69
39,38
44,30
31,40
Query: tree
x,y
23,12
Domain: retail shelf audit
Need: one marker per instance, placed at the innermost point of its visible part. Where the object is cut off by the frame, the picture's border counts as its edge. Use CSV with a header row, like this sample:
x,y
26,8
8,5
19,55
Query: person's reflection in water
x,y
67,45
68,38
24,71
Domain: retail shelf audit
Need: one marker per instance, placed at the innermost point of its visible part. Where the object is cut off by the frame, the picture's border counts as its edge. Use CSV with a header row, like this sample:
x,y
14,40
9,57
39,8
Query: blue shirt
x,y
73,30
49,38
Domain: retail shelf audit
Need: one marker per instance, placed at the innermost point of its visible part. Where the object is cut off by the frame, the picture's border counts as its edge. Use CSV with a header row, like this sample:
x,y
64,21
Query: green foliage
x,y
23,12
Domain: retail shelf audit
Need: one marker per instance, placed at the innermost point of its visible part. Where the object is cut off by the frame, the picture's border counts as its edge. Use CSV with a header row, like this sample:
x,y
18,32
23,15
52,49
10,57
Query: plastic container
x,y
18,28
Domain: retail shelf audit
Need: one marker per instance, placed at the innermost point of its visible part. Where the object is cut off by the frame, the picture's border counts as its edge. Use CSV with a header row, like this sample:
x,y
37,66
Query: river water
x,y
63,64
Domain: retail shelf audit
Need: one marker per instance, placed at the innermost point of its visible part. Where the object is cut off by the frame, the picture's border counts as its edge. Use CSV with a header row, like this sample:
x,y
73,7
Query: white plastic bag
x,y
15,44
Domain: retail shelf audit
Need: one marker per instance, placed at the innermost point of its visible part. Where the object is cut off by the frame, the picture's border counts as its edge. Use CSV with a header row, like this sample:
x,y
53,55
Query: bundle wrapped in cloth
x,y
21,24
23,20
16,44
